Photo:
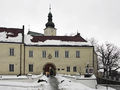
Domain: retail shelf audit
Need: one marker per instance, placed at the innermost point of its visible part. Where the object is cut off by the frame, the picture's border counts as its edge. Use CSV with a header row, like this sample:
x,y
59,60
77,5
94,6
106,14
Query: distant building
x,y
37,53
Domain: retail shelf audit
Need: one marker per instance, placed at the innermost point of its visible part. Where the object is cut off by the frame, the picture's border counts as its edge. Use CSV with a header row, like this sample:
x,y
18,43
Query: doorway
x,y
49,69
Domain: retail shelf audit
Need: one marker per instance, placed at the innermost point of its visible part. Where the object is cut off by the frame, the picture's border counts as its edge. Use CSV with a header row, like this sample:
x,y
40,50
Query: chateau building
x,y
37,53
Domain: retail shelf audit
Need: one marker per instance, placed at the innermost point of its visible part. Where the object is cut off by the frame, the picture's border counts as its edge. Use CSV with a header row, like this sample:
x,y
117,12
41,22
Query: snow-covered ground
x,y
65,82
79,83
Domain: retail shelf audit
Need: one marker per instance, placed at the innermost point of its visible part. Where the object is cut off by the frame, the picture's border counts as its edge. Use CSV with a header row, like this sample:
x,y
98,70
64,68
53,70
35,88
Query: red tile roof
x,y
62,38
14,31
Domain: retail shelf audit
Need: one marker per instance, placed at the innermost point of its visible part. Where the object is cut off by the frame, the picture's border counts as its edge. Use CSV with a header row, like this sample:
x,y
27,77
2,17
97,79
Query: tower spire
x,y
50,29
49,7
50,23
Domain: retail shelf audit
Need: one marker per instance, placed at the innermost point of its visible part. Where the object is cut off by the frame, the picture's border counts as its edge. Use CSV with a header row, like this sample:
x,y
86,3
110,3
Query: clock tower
x,y
50,29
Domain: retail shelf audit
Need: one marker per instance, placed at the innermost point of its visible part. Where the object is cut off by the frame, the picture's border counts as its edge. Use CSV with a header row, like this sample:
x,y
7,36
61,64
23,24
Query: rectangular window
x,y
11,51
30,67
77,54
68,69
44,54
11,67
66,54
56,54
74,69
30,53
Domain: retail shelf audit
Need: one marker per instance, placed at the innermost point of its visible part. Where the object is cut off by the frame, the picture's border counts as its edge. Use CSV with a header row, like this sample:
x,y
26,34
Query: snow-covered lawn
x,y
74,84
65,82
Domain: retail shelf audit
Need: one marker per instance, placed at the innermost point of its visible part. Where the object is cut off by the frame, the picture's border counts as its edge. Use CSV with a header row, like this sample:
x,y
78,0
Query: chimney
x,y
78,34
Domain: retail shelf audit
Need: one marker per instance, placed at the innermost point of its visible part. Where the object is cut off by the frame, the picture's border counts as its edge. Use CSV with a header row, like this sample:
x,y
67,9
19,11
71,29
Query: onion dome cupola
x,y
50,29
50,23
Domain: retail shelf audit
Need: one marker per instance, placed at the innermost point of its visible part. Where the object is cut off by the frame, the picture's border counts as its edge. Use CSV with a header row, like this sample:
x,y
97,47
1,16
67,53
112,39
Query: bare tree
x,y
93,42
108,56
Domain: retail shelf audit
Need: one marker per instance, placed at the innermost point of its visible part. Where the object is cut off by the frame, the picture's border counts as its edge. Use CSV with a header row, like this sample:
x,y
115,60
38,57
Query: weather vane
x,y
50,8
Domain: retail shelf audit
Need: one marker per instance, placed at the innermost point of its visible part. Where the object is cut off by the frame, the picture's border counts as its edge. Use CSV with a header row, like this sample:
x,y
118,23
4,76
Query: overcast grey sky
x,y
92,18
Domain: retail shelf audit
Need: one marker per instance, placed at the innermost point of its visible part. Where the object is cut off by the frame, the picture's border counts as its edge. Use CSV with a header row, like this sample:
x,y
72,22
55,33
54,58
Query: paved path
x,y
54,83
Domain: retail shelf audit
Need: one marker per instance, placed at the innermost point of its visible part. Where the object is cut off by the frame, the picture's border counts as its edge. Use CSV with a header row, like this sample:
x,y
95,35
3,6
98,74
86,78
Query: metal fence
x,y
109,86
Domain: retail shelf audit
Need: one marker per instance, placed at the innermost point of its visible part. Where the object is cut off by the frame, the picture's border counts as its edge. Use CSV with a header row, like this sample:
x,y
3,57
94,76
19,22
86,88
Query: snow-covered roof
x,y
76,38
11,35
16,35
29,38
34,33
3,37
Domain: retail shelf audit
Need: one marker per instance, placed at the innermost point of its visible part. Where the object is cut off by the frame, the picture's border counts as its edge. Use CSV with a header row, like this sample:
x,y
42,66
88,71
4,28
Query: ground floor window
x,y
68,69
11,67
30,67
74,69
